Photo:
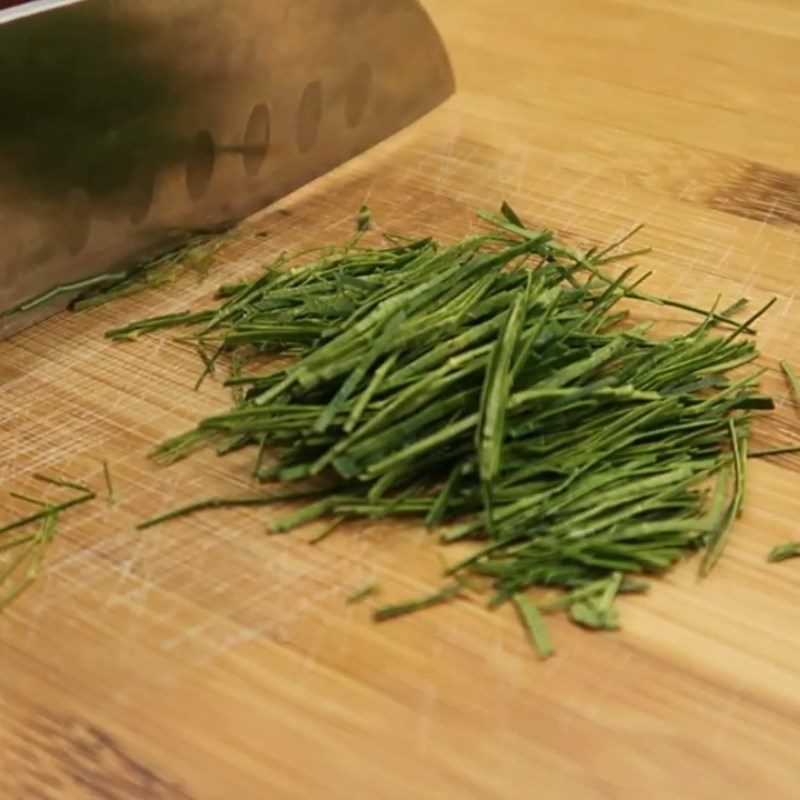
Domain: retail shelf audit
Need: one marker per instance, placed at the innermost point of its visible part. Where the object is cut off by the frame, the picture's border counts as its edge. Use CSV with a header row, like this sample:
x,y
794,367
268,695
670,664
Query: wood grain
x,y
204,660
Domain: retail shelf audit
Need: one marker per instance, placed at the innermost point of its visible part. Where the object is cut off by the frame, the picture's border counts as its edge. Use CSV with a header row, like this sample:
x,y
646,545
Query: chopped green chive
x,y
400,609
794,382
111,494
536,626
784,551
23,555
362,594
493,385
364,219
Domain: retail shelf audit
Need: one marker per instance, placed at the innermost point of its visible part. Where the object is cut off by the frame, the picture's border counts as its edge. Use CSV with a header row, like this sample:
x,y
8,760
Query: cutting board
x,y
204,660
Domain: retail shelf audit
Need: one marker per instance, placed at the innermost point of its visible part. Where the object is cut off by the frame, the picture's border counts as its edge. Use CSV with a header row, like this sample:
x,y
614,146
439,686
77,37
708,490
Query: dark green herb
x,y
596,610
328,530
112,497
774,451
784,551
24,554
230,502
442,596
362,594
364,220
48,508
536,626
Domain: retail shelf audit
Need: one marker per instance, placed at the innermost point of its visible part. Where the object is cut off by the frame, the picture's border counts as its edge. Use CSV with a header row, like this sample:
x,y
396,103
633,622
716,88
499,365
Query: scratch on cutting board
x,y
727,714
602,689
430,697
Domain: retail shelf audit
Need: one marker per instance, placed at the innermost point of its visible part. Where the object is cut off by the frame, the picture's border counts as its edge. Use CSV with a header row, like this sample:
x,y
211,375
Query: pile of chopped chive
x,y
496,389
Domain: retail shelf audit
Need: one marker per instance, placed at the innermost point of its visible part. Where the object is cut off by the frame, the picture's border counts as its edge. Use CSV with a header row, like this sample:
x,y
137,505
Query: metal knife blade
x,y
129,123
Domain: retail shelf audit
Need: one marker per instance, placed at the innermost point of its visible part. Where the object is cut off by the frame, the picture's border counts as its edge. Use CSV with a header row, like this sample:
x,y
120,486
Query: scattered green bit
x,y
719,520
493,387
364,220
442,596
47,508
71,289
132,332
111,494
66,483
197,254
774,451
23,555
735,307
536,626
784,551
362,594
596,610
229,502
328,530
22,569
794,382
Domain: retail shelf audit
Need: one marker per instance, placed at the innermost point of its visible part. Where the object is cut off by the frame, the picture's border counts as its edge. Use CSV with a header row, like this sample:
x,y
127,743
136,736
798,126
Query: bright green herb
x,y
784,551
328,530
794,382
48,508
22,555
775,451
494,388
197,255
362,594
364,220
596,609
230,502
112,496
442,596
536,626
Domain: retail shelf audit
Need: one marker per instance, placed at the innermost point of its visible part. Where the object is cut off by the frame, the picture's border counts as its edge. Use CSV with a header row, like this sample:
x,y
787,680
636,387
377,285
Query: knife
x,y
129,124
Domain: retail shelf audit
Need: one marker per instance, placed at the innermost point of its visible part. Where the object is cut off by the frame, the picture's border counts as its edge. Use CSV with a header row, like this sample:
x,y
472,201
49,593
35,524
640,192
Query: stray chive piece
x,y
66,483
536,626
794,382
110,493
196,255
362,594
596,611
328,530
227,502
24,554
364,220
400,609
784,551
47,509
774,451
494,388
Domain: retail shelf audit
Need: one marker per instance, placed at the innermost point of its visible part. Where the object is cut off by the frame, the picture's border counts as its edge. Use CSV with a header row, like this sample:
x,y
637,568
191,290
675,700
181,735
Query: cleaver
x,y
128,125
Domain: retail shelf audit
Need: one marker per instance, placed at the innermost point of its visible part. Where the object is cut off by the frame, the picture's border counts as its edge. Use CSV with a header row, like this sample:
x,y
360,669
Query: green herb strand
x,y
784,551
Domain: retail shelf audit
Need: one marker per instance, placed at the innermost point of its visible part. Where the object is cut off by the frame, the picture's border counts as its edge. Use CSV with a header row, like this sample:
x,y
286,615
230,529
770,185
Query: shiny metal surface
x,y
127,123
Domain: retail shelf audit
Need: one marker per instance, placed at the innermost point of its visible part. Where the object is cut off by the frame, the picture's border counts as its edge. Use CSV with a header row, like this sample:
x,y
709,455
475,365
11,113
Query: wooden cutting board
x,y
203,660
